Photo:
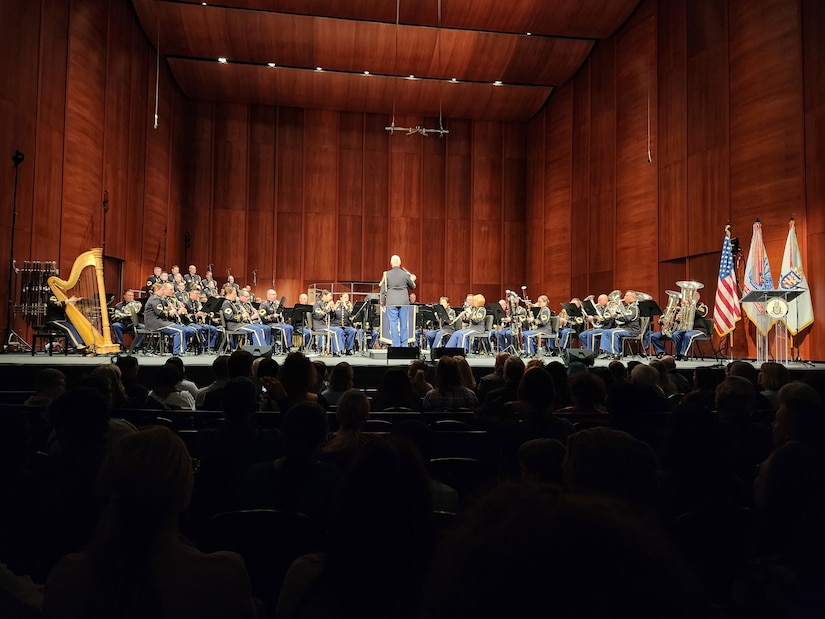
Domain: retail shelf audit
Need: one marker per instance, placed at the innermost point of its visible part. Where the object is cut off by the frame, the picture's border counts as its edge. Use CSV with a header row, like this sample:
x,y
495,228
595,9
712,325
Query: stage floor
x,y
376,359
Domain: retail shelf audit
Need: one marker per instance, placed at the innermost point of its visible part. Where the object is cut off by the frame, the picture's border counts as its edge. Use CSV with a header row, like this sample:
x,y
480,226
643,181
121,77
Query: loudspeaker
x,y
583,355
403,352
259,351
451,351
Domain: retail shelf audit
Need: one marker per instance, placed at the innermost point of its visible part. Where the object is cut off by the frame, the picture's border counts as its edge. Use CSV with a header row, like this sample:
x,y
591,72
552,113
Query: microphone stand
x,y
10,337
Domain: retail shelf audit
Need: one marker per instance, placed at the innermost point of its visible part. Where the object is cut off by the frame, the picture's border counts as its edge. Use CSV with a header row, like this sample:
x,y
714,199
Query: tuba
x,y
688,312
668,320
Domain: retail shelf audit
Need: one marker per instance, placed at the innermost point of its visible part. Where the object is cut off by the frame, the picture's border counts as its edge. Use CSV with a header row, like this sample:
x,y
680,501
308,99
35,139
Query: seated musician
x,y
541,325
568,325
445,328
322,312
56,317
153,279
199,321
596,324
342,310
272,315
261,333
514,317
682,339
475,316
181,291
192,278
123,320
161,314
628,324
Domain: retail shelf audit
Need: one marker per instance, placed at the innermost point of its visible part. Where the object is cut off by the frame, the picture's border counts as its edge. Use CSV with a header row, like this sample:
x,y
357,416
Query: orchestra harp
x,y
89,315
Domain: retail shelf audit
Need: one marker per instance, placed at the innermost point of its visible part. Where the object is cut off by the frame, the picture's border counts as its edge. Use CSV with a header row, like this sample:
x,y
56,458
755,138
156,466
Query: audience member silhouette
x,y
417,373
466,373
341,378
449,393
297,481
609,462
136,392
395,391
494,380
137,565
746,443
493,414
166,395
528,546
352,413
800,416
381,542
184,384
221,374
560,377
541,459
239,364
587,394
48,383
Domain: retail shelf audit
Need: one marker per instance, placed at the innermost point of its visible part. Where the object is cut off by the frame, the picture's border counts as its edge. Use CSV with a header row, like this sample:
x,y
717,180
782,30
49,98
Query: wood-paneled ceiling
x,y
456,58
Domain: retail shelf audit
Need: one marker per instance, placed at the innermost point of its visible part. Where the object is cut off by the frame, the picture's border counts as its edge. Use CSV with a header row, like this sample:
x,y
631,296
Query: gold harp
x,y
89,315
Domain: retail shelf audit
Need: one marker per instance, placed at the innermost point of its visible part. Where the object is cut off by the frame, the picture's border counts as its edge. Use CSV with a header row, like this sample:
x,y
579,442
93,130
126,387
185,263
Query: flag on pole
x,y
726,311
800,311
757,277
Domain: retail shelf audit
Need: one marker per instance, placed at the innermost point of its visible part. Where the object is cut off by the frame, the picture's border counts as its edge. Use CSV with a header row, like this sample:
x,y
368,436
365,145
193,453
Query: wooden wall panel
x,y
83,150
349,234
143,256
320,194
289,186
51,113
670,149
433,266
260,233
198,208
487,182
813,39
562,257
377,183
459,243
116,132
766,128
608,229
514,252
708,181
231,191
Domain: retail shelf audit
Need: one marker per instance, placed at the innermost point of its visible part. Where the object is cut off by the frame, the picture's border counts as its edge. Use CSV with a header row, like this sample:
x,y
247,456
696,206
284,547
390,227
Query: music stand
x,y
440,314
649,309
359,307
773,302
497,312
572,310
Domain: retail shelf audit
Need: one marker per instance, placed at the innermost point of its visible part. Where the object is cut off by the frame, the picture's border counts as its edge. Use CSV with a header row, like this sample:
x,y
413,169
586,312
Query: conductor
x,y
394,294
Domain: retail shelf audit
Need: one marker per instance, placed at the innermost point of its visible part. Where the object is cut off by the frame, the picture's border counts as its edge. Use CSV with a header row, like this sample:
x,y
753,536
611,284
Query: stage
x,y
19,369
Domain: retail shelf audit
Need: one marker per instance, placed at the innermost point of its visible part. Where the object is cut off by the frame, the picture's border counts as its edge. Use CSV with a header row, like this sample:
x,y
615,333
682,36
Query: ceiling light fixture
x,y
222,60
497,83
319,68
441,131
366,72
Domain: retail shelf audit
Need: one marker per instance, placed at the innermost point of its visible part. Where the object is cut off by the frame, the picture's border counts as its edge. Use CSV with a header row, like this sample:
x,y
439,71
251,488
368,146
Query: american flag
x,y
726,311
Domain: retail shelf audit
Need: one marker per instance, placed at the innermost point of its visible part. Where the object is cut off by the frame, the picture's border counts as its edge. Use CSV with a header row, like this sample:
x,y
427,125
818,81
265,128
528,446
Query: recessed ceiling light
x,y
366,72
319,68
271,65
222,60
497,83
454,80
529,34
412,77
